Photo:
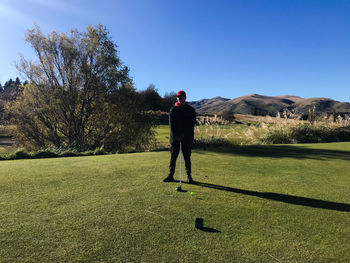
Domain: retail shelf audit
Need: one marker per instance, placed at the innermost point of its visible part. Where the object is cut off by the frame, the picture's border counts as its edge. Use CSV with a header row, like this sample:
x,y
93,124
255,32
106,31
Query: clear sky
x,y
207,48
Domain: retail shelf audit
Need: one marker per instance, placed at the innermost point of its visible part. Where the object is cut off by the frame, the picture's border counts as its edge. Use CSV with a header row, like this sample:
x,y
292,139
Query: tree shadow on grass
x,y
281,151
290,199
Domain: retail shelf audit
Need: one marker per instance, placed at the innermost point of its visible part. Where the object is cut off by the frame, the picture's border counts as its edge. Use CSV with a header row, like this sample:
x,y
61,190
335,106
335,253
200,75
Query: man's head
x,y
181,97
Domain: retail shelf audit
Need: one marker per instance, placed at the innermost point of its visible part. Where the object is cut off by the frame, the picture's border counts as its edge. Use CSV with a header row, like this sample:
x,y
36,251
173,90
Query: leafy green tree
x,y
150,98
79,94
168,101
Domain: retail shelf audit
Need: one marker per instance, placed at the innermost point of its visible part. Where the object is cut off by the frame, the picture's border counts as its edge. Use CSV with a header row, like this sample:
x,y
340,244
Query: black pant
x,y
186,152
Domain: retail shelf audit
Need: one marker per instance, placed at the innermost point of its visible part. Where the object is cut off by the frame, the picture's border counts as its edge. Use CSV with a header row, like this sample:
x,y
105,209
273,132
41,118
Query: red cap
x,y
181,92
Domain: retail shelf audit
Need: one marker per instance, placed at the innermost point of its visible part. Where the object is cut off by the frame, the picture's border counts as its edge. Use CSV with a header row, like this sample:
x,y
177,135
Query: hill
x,y
261,105
258,104
321,105
216,104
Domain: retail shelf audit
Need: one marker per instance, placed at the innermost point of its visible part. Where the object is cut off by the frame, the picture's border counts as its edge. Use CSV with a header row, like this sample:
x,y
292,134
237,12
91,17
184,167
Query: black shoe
x,y
169,179
190,180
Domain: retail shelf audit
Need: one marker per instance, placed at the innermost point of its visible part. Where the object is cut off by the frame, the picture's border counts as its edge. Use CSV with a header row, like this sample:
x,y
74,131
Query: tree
x,y
150,98
9,83
79,94
17,82
168,101
9,92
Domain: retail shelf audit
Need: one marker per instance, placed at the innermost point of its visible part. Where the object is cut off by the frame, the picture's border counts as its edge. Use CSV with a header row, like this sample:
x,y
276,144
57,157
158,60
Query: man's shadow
x,y
290,199
280,151
199,224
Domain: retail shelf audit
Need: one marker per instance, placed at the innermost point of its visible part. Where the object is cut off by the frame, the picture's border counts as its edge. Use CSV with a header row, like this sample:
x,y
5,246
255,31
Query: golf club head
x,y
179,189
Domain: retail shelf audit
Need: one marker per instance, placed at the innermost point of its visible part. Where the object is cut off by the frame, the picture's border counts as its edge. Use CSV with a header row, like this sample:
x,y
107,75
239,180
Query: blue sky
x,y
207,48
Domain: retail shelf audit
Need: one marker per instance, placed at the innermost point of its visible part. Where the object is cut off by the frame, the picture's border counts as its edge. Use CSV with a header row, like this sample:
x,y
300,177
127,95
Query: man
x,y
182,120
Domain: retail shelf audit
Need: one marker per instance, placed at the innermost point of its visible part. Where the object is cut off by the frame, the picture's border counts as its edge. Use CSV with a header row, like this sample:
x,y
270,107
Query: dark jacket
x,y
182,121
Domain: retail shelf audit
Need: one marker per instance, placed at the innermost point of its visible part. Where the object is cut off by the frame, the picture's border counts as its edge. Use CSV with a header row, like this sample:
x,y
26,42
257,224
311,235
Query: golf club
x,y
179,187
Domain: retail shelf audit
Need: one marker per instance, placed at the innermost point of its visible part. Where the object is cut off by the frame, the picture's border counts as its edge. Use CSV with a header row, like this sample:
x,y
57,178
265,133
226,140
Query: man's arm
x,y
194,117
172,121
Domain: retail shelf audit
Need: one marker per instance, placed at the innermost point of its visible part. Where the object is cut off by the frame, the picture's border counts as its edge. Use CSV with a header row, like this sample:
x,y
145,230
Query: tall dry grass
x,y
274,131
231,134
323,130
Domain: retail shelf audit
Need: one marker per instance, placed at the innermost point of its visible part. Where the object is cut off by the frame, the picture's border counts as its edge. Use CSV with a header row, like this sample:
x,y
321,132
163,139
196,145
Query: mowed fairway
x,y
259,204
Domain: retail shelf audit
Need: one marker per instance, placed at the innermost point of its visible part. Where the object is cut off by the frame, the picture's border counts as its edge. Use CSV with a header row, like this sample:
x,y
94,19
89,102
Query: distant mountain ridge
x,y
262,105
208,105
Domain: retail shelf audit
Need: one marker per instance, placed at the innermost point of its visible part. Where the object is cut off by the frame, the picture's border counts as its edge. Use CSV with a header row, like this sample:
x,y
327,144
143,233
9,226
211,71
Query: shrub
x,y
99,151
306,133
342,133
69,153
228,115
18,154
277,137
50,153
46,153
21,154
161,118
311,134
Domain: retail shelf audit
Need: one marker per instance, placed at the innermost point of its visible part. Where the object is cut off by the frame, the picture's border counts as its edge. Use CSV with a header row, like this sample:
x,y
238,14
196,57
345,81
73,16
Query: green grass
x,y
162,135
270,204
